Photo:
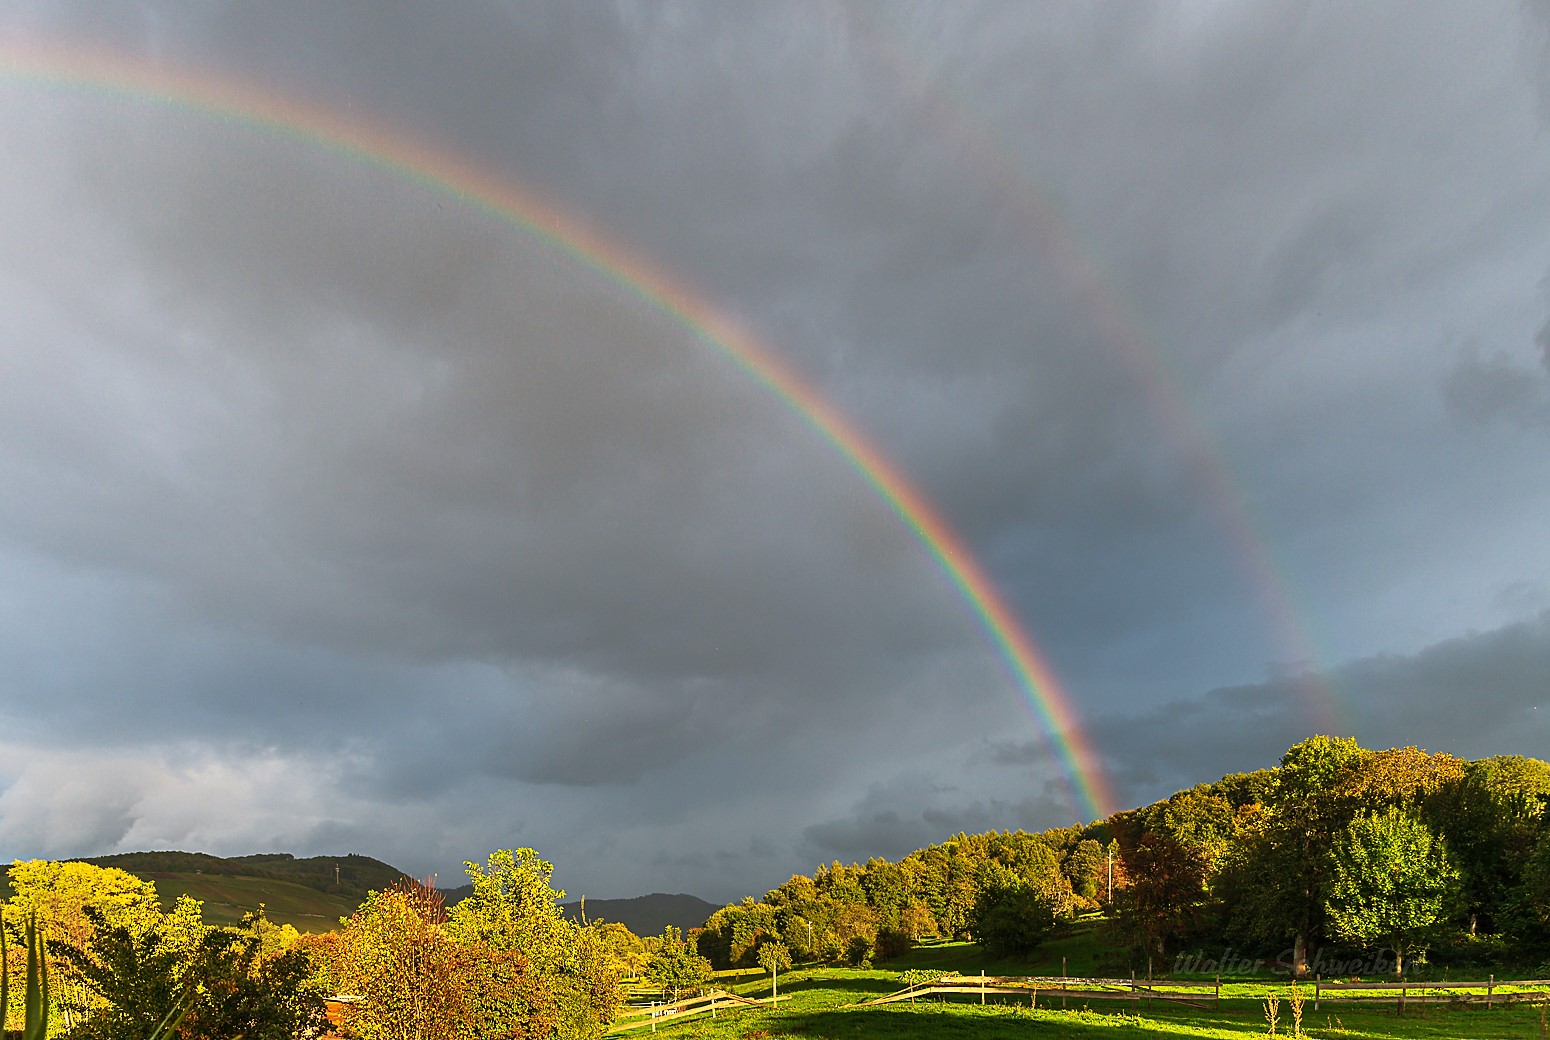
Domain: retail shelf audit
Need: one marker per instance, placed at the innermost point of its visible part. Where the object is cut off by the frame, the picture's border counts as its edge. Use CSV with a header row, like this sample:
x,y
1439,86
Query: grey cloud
x,y
1475,695
1152,303
1480,389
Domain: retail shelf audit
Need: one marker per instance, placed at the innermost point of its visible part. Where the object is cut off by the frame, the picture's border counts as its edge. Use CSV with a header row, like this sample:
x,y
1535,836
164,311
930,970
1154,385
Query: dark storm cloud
x,y
314,472
1476,695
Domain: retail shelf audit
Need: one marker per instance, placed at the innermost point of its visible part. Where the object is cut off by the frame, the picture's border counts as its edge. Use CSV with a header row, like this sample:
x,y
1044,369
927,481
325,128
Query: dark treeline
x,y
1337,850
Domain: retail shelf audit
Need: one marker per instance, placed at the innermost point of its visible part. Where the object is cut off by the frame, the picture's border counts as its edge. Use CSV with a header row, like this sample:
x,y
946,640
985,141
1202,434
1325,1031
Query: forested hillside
x,y
1334,852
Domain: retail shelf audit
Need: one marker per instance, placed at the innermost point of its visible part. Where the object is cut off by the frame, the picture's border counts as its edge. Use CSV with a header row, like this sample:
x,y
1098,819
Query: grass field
x,y
227,898
823,1003
822,998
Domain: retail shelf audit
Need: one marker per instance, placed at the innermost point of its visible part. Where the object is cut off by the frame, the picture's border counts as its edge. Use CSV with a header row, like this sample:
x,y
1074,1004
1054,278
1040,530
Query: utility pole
x,y
1110,852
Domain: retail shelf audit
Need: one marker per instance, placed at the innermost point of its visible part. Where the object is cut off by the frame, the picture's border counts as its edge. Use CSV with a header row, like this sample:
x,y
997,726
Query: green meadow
x,y
823,1004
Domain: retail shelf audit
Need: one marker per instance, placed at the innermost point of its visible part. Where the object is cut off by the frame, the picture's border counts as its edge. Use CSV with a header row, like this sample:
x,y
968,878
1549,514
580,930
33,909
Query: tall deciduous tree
x,y
1390,882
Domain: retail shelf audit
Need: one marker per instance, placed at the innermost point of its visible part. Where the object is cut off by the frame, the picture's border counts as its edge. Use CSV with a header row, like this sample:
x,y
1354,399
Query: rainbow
x,y
501,198
1118,324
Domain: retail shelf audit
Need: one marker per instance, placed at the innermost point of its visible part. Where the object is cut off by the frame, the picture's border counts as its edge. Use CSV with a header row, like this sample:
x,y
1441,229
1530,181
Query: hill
x,y
646,915
311,893
643,915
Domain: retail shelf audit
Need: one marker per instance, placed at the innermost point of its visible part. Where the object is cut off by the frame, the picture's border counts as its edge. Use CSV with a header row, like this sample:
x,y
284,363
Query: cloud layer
x,y
340,516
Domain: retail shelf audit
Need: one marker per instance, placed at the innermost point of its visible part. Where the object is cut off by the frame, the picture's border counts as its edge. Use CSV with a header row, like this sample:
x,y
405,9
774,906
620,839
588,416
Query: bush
x,y
892,943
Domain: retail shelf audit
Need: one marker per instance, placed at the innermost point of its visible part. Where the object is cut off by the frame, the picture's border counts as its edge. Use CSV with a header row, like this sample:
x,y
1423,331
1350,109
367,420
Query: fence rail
x,y
709,1002
1195,993
1489,992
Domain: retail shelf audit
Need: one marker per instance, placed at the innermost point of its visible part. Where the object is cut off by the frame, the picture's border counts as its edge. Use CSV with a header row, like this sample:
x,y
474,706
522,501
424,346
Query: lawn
x,y
822,1000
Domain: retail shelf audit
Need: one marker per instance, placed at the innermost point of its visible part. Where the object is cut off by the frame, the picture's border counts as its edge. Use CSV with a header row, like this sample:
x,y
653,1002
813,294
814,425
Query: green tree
x,y
673,965
1280,869
774,956
1390,882
514,908
139,979
59,894
1011,916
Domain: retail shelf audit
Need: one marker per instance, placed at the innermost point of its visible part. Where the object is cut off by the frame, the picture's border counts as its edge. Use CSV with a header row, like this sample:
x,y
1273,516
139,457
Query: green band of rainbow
x,y
501,198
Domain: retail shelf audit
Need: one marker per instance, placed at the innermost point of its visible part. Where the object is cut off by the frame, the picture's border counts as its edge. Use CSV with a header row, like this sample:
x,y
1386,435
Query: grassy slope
x,y
226,898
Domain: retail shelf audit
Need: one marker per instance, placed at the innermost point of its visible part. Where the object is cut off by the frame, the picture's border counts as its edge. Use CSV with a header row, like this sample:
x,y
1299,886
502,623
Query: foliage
x,y
774,956
514,909
1012,915
1390,881
1243,861
35,1002
502,997
394,954
674,965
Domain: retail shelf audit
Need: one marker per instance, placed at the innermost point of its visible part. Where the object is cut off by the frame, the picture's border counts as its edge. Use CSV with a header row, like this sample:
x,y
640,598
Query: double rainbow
x,y
503,199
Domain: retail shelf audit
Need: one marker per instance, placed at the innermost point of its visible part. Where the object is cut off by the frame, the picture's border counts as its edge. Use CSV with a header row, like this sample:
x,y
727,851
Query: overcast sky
x,y
337,515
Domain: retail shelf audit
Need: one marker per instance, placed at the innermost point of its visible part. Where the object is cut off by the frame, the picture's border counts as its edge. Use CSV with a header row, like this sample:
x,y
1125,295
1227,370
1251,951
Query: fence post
x,y
1135,997
1063,984
1490,989
1317,979
1402,988
982,985
1218,1004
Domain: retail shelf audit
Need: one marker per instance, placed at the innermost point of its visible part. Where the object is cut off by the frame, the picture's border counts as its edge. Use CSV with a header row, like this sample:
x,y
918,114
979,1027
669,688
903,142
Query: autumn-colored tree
x,y
394,954
502,997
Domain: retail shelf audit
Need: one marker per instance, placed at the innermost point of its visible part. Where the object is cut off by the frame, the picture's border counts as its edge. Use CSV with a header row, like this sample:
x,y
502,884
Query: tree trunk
x,y
1399,962
1300,956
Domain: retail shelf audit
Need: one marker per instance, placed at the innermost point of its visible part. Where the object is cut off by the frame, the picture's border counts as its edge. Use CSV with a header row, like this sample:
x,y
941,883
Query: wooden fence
x,y
711,1002
1489,992
1199,994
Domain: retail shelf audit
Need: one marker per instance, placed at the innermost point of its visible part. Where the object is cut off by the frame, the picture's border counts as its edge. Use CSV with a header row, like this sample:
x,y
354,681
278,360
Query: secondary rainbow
x,y
498,195
1120,325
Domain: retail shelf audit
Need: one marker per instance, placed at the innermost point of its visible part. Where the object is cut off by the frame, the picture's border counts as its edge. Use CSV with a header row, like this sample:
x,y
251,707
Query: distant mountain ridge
x,y
646,915
314,892
643,915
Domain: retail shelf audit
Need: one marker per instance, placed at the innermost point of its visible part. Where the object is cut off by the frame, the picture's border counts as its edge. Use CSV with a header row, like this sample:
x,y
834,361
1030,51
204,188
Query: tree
x,y
1167,891
396,956
221,976
1280,869
1011,916
502,997
514,908
1390,882
772,957
59,895
673,965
